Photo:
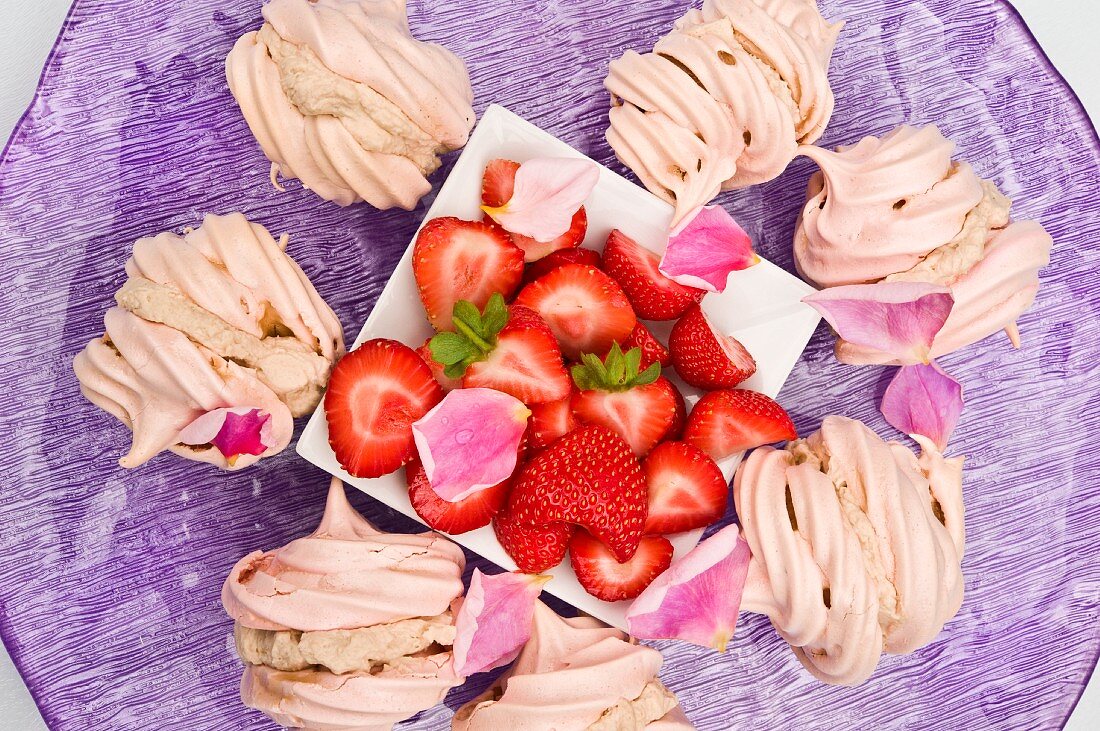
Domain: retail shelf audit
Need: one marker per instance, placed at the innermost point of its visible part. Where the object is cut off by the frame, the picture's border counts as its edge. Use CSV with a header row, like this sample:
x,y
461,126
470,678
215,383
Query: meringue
x,y
347,628
856,545
724,100
899,209
219,317
576,675
340,95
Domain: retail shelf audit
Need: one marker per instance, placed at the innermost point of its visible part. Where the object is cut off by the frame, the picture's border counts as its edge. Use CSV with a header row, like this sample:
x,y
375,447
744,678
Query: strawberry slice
x,y
724,423
679,419
425,353
686,489
653,351
475,511
535,549
583,306
549,422
559,258
704,357
496,189
456,260
605,578
638,406
635,268
588,478
510,349
374,395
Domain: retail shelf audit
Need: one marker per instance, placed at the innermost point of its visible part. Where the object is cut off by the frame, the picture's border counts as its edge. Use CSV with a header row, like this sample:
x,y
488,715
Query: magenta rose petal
x,y
547,192
494,622
899,318
923,400
470,441
704,251
234,431
698,598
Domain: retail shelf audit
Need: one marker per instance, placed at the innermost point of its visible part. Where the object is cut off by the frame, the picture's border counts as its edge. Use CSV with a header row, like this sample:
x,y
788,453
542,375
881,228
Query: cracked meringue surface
x,y
724,100
856,546
218,317
341,96
899,208
349,627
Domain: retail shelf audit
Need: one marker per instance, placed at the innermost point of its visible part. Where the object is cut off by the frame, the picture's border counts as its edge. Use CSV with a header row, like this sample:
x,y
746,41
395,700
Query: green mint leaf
x,y
466,313
495,316
448,348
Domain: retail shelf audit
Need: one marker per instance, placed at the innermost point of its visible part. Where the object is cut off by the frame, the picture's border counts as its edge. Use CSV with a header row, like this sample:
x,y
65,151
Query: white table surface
x,y
27,31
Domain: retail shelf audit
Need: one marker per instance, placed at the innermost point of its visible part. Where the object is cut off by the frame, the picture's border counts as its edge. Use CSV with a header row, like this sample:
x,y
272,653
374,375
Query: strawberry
x,y
509,349
374,395
724,423
654,296
465,515
679,419
535,549
638,406
456,260
583,306
588,478
425,353
549,421
496,190
653,351
686,489
605,578
552,261
704,357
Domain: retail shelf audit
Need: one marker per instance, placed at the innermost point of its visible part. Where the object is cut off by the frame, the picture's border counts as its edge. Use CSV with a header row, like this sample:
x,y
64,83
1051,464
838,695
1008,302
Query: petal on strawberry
x,y
607,579
725,423
466,515
706,358
494,622
653,295
697,600
706,249
546,194
534,548
686,488
923,399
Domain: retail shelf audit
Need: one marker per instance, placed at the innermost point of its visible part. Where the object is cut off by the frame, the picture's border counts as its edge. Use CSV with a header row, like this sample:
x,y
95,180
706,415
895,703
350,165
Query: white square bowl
x,y
761,307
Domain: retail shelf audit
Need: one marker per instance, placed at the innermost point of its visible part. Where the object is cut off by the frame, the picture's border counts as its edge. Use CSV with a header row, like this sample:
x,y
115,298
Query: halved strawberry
x,y
559,258
638,406
425,353
706,358
509,349
549,422
475,511
496,189
724,423
374,395
605,578
462,260
679,419
686,489
534,548
653,351
588,478
583,306
635,268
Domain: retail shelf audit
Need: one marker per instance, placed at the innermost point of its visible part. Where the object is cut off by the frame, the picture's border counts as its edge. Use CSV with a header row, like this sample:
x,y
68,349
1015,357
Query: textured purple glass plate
x,y
109,579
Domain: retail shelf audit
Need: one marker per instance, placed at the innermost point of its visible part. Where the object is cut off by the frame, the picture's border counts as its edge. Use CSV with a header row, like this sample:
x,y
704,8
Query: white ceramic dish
x,y
761,307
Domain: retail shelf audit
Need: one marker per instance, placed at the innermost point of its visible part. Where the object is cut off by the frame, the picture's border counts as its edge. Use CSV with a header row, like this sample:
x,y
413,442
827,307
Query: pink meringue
x,y
899,209
856,545
723,100
346,583
220,317
576,675
340,95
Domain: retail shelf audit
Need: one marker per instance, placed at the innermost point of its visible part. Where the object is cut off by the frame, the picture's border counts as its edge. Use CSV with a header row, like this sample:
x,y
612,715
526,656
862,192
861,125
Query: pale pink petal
x,y
494,622
899,318
703,252
470,441
923,399
547,192
698,598
234,431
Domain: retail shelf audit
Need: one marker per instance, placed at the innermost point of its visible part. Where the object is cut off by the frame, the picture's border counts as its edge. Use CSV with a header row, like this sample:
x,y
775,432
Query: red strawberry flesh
x,y
686,489
605,578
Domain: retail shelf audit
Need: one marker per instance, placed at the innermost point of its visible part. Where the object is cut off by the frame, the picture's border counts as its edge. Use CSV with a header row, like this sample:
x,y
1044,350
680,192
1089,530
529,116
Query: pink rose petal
x,y
494,622
923,399
899,318
547,192
698,598
234,431
470,441
703,252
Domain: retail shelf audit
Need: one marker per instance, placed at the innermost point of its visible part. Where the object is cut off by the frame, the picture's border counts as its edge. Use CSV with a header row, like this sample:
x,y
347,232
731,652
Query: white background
x,y
1066,28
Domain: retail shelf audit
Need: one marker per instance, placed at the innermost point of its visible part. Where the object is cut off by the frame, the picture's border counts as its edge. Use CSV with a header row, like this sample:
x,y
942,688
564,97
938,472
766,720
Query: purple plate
x,y
109,580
